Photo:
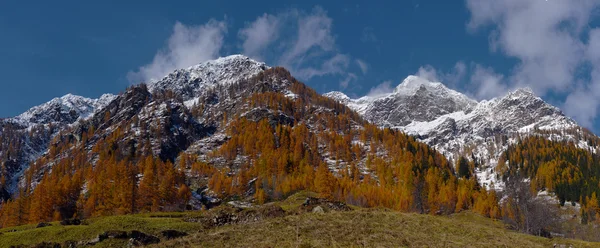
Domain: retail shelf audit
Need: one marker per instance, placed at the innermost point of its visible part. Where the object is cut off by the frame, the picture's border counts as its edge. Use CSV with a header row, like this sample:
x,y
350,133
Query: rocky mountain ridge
x,y
457,125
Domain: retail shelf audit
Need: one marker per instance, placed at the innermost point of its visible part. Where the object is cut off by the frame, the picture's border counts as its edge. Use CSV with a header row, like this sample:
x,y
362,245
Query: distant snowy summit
x,y
457,125
63,110
415,99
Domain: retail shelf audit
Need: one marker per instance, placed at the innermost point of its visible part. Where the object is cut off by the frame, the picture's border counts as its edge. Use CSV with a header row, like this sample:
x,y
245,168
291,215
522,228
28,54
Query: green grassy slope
x,y
369,228
356,228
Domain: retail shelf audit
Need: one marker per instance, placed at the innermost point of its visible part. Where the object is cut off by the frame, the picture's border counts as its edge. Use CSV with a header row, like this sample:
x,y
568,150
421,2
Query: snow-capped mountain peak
x,y
412,84
192,81
338,96
524,92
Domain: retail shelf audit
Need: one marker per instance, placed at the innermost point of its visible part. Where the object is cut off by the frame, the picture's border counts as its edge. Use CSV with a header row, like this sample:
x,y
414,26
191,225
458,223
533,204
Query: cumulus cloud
x,y
187,46
335,65
487,83
456,75
301,41
450,78
584,101
483,82
582,110
313,39
428,72
542,35
346,81
546,39
314,30
259,34
593,49
381,89
305,44
364,67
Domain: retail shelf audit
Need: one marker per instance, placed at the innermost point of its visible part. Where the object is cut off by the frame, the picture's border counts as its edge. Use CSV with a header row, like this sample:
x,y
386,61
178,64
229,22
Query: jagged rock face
x,y
175,129
457,125
422,106
521,108
165,122
122,107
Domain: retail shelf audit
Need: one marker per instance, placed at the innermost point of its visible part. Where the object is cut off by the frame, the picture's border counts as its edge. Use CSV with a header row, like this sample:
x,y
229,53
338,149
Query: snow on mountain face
x,y
191,82
415,99
457,125
63,110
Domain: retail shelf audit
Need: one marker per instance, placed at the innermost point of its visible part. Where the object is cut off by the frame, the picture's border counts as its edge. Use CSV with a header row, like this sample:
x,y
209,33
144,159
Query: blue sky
x,y
480,47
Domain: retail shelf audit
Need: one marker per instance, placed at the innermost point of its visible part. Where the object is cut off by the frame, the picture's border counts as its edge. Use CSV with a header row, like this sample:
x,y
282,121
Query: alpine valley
x,y
235,131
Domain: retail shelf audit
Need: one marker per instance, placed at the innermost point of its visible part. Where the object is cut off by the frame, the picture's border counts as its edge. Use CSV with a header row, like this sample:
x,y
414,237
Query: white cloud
x,y
313,33
583,103
335,65
593,49
364,67
305,44
455,76
428,72
546,39
259,34
450,78
487,83
346,81
484,83
381,89
582,106
187,46
534,32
